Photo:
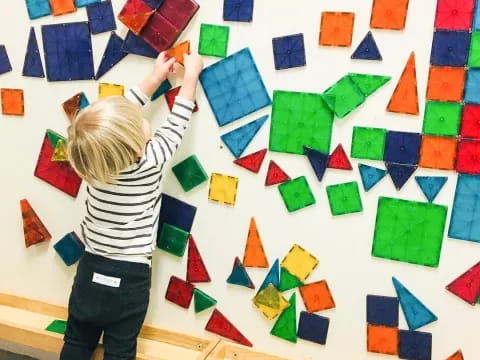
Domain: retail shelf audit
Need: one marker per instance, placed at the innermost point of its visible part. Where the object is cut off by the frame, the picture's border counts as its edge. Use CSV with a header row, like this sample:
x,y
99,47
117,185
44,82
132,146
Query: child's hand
x,y
163,66
193,65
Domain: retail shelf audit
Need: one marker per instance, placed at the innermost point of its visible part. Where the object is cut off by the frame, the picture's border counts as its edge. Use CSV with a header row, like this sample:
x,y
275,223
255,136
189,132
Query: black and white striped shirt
x,y
122,218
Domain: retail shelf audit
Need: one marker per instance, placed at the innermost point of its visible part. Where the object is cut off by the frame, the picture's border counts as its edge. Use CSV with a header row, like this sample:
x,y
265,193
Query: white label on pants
x,y
106,280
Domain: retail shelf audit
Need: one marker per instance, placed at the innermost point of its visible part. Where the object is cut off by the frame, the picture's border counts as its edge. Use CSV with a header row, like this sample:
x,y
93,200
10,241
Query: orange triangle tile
x,y
179,51
405,96
457,356
254,253
34,230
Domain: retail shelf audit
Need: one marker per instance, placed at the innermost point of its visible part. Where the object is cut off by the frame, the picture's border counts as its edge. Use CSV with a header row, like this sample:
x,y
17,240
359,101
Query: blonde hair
x,y
105,138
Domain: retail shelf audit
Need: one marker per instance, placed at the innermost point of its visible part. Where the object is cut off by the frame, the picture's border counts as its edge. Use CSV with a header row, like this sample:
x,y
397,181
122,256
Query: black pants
x,y
94,308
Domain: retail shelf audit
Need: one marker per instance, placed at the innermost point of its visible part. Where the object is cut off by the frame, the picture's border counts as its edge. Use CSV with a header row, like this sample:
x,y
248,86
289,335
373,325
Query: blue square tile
x,y
176,213
476,19
5,65
68,51
289,51
402,147
472,95
450,48
382,310
82,3
38,8
153,4
465,217
101,17
312,327
415,345
134,44
234,87
238,10
70,248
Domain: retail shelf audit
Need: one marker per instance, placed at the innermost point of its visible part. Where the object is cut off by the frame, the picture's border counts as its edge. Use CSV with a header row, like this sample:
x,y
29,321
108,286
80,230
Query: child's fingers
x,y
170,62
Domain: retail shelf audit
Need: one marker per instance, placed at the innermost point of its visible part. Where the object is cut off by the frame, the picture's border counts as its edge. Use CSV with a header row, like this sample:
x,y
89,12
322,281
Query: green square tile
x,y
474,55
344,198
368,143
296,194
57,326
190,173
300,119
442,118
343,97
173,240
213,40
409,231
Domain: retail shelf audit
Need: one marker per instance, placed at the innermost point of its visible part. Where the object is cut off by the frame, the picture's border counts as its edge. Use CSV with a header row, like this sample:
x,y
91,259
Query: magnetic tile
x,y
273,277
74,104
458,355
190,173
270,302
234,87
239,275
178,12
368,143
431,185
415,345
162,89
402,147
389,14
112,56
446,83
442,118
135,15
223,189
38,8
409,231
32,65
134,44
299,262
344,198
382,310
179,292
101,17
238,10
57,326
220,325
202,301
68,52
400,173
450,48
336,29
338,159
368,83
289,51
343,97
300,119
468,157
288,281
5,65
173,240
367,49
472,84
154,4
275,174
62,7
438,152
370,175
159,33
106,90
382,339
213,40
317,296
70,248
12,102
312,327
296,194
404,99
34,230
238,139
454,14
254,255
82,3
467,285
179,51
171,95
286,325
196,269
318,160
474,53
252,162
470,125
176,213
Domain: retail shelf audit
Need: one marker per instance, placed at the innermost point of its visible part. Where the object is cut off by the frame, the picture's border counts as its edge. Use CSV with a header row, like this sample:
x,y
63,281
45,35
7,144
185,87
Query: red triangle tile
x,y
339,159
196,270
252,162
467,286
275,175
219,324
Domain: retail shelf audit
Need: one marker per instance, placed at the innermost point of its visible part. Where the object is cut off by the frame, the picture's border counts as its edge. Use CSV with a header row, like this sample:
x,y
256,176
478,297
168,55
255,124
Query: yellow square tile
x,y
299,262
223,189
106,90
270,302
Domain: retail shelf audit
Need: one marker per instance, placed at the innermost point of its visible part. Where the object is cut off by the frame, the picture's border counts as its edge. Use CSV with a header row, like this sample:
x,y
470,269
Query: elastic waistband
x,y
118,267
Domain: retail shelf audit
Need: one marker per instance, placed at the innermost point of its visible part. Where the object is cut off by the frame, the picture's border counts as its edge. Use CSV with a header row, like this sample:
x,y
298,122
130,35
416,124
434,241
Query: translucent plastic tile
x,y
32,65
70,248
60,152
275,175
404,99
454,14
344,198
220,325
402,147
177,213
367,49
368,143
62,7
179,292
270,302
135,15
173,240
318,160
343,97
178,12
400,173
431,185
312,327
171,95
252,162
296,194
339,160
286,325
467,285
254,255
409,231
450,48
5,65
74,104
415,345
446,83
82,3
438,152
38,8
234,87
179,51
223,189
238,10
213,40
57,326
34,230
196,269
154,4
273,277
470,123
465,216
288,281
476,18
289,51
336,29
468,157
474,53
382,339
101,17
368,83
389,14
299,262
12,102
134,44
472,84
106,90
370,175
382,310
317,296
458,355
202,301
416,313
442,118
112,56
239,275
190,173
238,139
298,120
159,33
162,89
68,51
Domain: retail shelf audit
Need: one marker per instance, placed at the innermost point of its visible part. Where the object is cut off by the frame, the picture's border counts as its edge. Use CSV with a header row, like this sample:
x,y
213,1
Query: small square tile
x,y
213,40
450,48
312,327
446,83
344,198
12,102
382,339
442,118
101,17
382,310
415,345
299,262
289,51
472,95
38,8
336,28
180,292
317,296
70,248
389,14
454,14
238,10
468,157
438,152
106,90
402,147
173,240
223,189
177,213
368,143
62,7
296,194
190,173
470,126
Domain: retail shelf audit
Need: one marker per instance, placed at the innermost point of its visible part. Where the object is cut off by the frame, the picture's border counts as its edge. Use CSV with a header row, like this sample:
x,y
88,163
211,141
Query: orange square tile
x,y
60,7
12,102
446,83
382,339
438,152
336,28
389,14
317,296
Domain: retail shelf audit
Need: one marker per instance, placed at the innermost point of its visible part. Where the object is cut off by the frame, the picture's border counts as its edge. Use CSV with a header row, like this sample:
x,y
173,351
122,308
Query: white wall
x,y
342,244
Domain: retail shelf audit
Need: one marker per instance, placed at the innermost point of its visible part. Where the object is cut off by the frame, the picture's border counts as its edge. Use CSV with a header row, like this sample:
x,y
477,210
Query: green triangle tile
x,y
57,326
286,324
54,137
202,301
368,84
288,281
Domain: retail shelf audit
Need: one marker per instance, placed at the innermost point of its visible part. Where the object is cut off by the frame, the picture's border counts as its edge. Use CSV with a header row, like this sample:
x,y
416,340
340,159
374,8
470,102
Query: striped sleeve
x,y
136,96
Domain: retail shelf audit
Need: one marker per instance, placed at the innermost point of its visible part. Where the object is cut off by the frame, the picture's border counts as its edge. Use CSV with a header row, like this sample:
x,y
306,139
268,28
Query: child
x,y
111,147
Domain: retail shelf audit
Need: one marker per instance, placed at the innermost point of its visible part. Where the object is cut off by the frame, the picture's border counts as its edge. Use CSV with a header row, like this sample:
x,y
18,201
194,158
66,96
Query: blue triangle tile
x,y
431,185
153,4
400,173
112,56
367,49
83,102
33,62
318,160
370,175
273,277
134,44
239,275
416,313
237,140
162,89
